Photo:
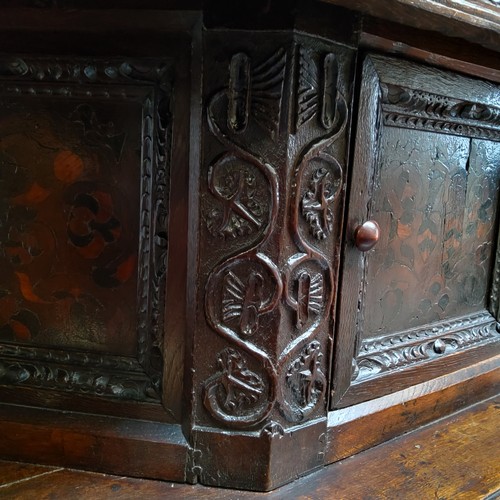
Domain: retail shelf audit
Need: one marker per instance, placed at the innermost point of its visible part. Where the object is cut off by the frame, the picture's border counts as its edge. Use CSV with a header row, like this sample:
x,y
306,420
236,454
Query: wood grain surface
x,y
457,458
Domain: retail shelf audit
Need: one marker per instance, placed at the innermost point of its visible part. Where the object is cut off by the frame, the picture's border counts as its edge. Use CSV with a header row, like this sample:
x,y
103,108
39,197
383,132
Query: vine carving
x,y
245,201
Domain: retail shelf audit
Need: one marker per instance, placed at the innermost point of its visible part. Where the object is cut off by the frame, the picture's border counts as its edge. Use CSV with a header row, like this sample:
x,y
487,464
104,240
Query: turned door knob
x,y
366,235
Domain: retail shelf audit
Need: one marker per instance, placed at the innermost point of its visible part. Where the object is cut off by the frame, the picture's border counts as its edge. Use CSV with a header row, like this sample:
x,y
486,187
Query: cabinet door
x,y
423,301
85,151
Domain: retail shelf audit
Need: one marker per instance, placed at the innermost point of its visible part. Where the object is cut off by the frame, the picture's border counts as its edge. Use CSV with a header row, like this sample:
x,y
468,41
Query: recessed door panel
x,y
426,172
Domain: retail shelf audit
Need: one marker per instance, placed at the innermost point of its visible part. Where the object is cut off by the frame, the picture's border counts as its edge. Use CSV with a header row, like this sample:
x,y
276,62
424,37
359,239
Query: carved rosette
x,y
274,317
305,383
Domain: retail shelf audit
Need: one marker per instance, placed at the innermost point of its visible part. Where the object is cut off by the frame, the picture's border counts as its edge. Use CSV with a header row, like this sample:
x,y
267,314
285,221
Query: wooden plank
x,y
479,24
430,47
457,457
11,472
114,445
362,426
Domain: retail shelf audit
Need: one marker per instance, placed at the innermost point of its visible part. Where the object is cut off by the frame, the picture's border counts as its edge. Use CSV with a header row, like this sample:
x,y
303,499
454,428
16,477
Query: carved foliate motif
x,y
306,380
317,200
239,295
304,383
405,349
417,109
309,296
241,292
307,289
243,197
256,91
243,301
317,88
248,298
235,388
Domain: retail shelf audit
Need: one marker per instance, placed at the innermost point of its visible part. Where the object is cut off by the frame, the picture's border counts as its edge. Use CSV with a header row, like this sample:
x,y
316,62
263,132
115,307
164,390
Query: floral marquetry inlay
x,y
85,156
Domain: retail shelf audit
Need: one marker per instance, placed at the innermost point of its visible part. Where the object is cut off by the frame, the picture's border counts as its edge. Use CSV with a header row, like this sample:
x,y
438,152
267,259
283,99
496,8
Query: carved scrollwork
x,y
397,351
309,275
242,290
417,109
246,203
236,393
111,376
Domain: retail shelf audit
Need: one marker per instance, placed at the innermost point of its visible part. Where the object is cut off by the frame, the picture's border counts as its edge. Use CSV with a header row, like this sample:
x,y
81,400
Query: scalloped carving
x,y
417,109
416,346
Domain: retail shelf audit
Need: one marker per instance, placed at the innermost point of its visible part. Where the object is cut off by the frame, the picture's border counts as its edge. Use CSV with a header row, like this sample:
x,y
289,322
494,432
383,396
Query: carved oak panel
x,y
272,187
84,165
427,171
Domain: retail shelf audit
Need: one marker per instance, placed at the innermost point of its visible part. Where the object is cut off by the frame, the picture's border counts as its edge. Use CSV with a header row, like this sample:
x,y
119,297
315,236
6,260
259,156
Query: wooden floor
x,y
455,458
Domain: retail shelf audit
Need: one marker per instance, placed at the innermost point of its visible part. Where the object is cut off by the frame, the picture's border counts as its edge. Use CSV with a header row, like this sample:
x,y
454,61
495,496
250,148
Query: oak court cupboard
x,y
241,241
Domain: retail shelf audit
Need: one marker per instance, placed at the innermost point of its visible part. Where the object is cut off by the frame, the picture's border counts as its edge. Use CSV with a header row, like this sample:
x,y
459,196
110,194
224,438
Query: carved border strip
x,y
97,379
417,109
80,358
404,349
495,285
152,82
21,89
84,71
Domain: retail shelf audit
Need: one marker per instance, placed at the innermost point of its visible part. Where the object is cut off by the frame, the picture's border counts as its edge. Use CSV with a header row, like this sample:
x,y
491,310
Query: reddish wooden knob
x,y
366,235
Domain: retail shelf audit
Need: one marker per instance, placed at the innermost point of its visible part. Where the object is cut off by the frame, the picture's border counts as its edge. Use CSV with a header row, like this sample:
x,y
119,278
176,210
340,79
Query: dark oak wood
x,y
440,460
476,21
109,375
115,445
430,48
187,290
12,472
362,426
271,197
424,170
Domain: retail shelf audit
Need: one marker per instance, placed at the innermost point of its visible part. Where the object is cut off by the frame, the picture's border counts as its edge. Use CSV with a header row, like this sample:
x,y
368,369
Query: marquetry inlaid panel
x,y
84,166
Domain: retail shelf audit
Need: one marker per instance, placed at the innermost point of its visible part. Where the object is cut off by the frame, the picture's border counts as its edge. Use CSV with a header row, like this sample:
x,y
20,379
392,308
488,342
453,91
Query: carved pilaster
x,y
271,192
